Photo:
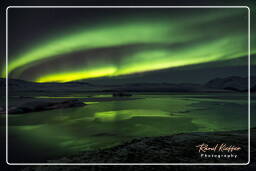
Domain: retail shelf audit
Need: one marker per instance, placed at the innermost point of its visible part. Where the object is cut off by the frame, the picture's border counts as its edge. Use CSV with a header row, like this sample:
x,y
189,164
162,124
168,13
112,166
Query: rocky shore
x,y
179,148
37,106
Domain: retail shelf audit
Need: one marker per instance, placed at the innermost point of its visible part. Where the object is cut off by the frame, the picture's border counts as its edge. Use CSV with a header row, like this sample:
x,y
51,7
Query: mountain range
x,y
227,84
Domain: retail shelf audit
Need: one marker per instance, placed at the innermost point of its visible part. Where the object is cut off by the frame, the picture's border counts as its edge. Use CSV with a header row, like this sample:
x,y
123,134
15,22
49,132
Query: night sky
x,y
127,45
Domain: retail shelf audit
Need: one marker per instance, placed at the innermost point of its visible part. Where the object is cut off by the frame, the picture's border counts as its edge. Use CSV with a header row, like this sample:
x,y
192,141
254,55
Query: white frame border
x,y
249,95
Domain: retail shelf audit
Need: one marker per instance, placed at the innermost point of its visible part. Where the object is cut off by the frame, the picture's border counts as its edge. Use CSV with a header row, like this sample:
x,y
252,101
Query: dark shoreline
x,y
177,148
31,104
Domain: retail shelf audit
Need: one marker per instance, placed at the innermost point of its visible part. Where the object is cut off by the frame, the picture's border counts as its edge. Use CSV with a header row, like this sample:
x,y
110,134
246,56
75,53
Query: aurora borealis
x,y
91,78
136,41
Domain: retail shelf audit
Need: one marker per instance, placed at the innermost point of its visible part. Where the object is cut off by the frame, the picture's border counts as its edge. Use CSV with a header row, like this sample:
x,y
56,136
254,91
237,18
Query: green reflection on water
x,y
128,114
91,102
105,124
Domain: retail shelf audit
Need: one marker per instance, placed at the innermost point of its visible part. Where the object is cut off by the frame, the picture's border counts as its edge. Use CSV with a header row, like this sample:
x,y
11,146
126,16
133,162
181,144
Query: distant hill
x,y
228,84
21,85
232,83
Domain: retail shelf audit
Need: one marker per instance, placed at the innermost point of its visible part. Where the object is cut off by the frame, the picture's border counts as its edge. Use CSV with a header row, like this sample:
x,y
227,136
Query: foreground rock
x,y
179,148
37,106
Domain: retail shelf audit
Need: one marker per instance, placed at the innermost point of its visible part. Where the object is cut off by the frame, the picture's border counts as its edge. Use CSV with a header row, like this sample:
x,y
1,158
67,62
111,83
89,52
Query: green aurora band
x,y
212,37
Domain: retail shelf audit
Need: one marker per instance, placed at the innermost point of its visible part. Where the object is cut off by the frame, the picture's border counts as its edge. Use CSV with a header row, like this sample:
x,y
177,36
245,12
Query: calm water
x,y
36,137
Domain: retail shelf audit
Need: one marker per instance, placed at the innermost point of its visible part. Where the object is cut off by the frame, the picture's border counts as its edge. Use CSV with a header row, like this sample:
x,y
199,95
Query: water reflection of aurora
x,y
104,124
128,114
